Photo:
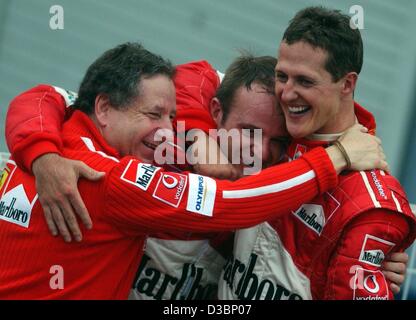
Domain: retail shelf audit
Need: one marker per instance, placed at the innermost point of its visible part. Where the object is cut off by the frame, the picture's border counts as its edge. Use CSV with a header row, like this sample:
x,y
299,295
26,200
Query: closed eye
x,y
154,115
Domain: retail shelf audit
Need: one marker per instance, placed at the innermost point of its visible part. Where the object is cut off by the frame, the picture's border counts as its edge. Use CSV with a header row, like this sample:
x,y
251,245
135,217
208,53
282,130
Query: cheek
x,y
147,128
278,87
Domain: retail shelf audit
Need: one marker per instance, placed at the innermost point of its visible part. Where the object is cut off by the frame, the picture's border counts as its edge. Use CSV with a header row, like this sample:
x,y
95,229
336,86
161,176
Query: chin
x,y
296,133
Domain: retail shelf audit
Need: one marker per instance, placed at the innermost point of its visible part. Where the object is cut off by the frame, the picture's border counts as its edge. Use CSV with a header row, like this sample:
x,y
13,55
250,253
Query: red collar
x,y
300,146
80,124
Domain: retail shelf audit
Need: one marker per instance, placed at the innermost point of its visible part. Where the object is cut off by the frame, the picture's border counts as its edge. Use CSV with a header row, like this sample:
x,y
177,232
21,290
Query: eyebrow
x,y
159,108
297,76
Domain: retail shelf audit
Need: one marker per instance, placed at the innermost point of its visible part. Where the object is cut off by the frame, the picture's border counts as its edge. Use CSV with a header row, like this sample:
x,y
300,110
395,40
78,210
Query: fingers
x,y
49,220
88,173
395,278
402,257
70,219
383,165
397,267
60,223
394,288
80,209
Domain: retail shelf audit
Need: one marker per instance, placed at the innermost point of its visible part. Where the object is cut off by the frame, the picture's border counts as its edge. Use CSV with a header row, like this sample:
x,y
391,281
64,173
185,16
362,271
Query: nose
x,y
286,91
164,130
166,123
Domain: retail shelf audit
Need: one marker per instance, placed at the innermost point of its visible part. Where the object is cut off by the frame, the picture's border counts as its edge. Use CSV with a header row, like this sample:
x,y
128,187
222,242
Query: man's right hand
x,y
363,149
209,160
56,183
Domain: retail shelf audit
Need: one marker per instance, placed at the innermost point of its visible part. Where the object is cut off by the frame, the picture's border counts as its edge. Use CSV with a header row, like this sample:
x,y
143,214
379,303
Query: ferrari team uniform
x,y
329,248
132,201
308,253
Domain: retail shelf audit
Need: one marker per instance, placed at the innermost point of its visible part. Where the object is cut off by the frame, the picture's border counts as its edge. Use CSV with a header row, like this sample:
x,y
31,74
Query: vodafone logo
x,y
371,284
368,284
170,188
169,181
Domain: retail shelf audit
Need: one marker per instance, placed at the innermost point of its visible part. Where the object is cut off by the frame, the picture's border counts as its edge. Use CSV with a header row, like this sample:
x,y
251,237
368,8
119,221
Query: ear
x,y
216,111
102,109
349,83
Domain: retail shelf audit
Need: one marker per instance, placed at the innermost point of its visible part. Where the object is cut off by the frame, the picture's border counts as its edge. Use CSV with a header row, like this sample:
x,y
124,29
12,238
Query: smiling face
x,y
256,108
311,101
131,130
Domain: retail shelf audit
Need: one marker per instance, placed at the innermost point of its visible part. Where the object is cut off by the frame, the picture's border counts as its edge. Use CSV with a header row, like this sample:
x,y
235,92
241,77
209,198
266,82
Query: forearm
x,y
208,205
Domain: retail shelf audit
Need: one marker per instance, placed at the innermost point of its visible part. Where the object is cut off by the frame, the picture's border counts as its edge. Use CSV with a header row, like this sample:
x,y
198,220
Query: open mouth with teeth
x,y
150,145
298,110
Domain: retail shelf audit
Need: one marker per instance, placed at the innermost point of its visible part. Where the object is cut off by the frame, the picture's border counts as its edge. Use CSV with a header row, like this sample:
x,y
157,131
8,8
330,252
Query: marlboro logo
x,y
374,250
313,216
139,174
15,206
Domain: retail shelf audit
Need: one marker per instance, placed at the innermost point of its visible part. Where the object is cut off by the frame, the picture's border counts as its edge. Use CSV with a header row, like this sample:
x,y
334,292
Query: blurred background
x,y
32,52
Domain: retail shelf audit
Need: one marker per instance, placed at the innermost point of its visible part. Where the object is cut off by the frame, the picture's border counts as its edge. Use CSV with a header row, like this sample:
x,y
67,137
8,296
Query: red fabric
x,y
40,110
331,247
196,84
103,265
351,214
344,271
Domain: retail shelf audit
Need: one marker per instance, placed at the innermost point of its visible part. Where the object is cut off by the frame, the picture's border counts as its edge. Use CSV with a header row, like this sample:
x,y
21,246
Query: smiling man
x,y
126,95
176,265
331,247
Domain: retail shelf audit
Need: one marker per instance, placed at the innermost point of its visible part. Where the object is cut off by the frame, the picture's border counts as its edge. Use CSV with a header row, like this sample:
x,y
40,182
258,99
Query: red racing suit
x,y
329,248
133,200
185,268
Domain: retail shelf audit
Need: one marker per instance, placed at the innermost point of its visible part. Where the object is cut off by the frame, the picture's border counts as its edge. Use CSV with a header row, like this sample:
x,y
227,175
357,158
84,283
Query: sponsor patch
x,y
299,151
201,195
370,285
69,96
15,206
377,185
139,174
170,188
4,174
313,216
374,250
